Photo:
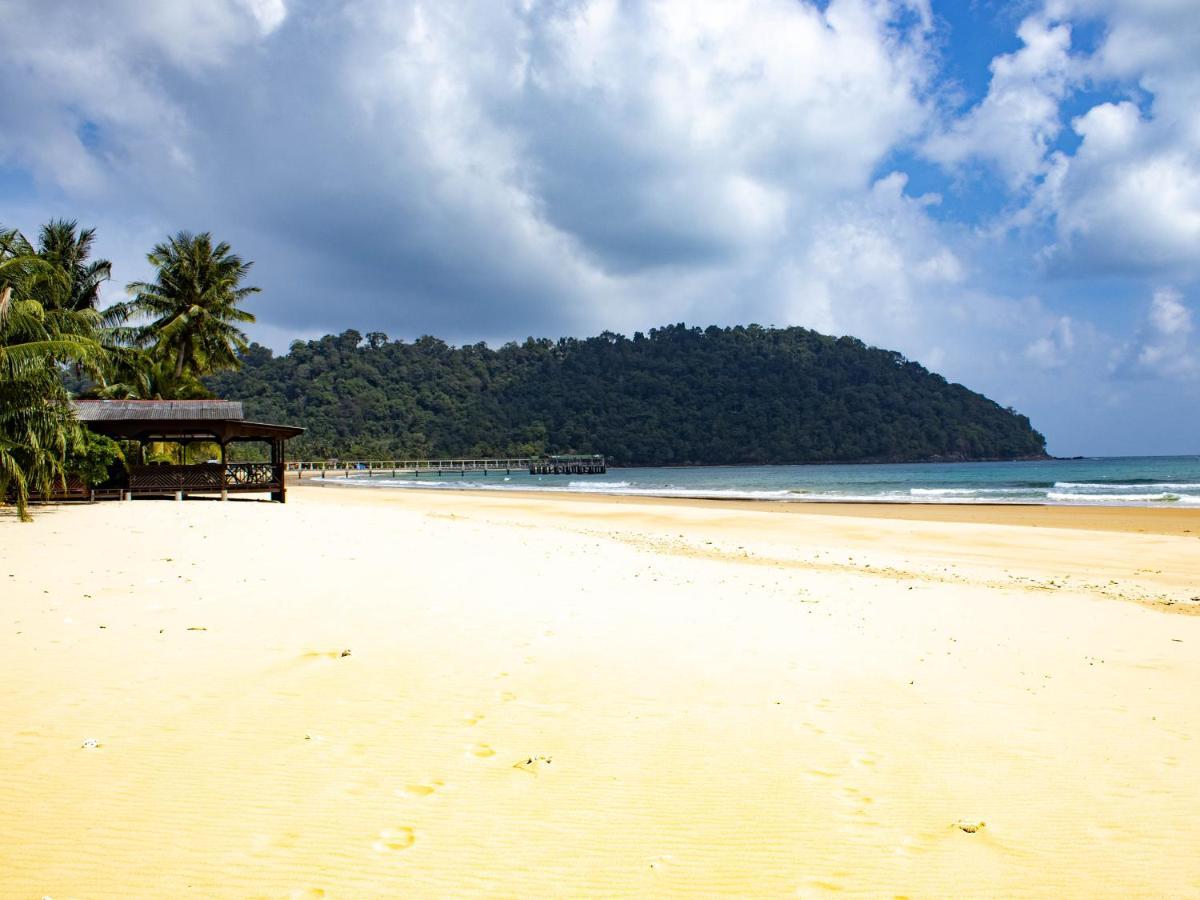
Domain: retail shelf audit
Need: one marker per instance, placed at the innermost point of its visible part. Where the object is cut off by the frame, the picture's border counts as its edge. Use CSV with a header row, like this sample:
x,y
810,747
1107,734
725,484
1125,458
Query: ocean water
x,y
1167,481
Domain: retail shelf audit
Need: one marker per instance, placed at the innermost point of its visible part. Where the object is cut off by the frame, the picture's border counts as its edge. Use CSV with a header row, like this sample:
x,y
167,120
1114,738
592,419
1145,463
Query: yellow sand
x,y
565,697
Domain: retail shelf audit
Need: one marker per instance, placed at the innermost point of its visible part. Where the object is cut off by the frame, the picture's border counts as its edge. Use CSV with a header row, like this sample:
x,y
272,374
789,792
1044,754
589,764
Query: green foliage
x,y
135,374
189,315
67,250
94,458
676,396
40,332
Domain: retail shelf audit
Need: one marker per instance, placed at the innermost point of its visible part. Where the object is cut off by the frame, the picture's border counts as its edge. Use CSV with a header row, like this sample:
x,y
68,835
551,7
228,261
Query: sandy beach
x,y
426,694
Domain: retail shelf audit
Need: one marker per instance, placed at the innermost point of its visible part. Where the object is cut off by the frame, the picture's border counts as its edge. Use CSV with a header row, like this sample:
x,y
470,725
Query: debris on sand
x,y
532,763
344,654
90,744
969,827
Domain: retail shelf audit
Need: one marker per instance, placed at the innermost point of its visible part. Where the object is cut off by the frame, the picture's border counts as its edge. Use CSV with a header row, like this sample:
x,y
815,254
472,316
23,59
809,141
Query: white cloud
x,y
1016,123
1052,350
623,164
268,13
88,108
490,170
1129,197
1163,346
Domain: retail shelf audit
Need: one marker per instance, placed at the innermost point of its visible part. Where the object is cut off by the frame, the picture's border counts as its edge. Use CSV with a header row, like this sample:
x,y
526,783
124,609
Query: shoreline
x,y
1163,520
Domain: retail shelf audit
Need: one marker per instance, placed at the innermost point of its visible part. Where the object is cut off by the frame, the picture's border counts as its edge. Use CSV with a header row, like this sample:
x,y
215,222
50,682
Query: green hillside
x,y
676,395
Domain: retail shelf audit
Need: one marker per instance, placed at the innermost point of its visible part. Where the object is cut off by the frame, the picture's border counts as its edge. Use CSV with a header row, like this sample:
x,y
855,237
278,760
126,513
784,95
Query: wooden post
x,y
277,469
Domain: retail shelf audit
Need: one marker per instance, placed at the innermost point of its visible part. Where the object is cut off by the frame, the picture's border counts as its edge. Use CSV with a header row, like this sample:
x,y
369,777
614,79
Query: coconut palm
x,y
189,314
135,374
37,423
67,249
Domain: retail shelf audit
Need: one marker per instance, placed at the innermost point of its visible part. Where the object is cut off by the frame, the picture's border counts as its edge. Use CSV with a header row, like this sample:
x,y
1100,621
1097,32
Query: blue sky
x,y
1006,192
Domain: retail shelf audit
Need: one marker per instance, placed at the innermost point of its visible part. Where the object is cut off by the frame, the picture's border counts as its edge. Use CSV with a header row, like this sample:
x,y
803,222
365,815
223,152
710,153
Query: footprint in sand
x,y
422,790
508,696
475,719
392,839
483,751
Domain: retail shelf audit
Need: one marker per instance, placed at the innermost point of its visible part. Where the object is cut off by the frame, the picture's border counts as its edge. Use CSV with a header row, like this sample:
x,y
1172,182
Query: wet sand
x,y
369,693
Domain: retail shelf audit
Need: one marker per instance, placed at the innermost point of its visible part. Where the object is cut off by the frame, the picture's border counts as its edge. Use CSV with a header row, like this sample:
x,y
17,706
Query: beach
x,y
422,694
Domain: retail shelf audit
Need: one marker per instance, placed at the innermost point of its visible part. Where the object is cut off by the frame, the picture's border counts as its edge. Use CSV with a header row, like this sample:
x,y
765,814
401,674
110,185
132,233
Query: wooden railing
x,y
246,476
206,478
368,468
169,479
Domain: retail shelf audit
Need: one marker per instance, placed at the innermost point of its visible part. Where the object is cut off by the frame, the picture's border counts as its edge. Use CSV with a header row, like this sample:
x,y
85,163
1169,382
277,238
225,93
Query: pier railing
x,y
393,468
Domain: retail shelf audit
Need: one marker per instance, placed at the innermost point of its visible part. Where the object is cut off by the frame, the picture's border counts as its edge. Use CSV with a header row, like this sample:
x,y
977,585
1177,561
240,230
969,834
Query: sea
x,y
1159,481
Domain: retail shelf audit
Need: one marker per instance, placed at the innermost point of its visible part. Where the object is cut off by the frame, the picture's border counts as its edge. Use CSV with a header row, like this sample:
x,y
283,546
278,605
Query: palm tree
x,y
135,374
192,306
37,423
62,247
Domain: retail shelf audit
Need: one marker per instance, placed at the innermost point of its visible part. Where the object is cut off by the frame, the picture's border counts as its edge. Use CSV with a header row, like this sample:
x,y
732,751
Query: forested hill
x,y
677,395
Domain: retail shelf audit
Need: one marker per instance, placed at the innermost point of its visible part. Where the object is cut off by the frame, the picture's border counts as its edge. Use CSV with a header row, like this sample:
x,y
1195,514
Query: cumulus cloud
x,y
1126,200
484,166
1014,126
1052,350
90,108
495,169
1129,198
1124,196
1163,346
268,13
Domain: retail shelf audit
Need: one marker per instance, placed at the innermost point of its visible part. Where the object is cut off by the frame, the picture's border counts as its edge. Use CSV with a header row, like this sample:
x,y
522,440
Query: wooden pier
x,y
371,468
569,465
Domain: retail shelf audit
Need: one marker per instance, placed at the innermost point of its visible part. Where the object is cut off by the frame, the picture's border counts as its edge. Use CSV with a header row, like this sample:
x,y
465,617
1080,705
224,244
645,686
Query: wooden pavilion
x,y
184,422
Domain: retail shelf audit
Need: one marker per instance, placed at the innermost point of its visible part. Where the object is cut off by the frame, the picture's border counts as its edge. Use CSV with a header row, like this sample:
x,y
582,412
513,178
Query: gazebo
x,y
185,422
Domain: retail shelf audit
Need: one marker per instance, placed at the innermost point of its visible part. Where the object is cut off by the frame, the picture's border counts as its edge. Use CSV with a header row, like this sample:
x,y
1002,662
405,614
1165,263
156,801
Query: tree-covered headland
x,y
673,396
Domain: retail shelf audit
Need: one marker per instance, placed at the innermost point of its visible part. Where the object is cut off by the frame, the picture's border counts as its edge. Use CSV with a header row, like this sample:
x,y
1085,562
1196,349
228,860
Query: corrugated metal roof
x,y
161,410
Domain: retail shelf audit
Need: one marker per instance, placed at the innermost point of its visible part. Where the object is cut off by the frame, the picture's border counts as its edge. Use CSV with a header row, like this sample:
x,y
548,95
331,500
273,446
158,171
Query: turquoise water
x,y
1119,481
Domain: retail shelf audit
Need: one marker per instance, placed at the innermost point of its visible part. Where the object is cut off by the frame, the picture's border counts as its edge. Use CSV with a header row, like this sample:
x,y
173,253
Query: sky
x,y
1006,192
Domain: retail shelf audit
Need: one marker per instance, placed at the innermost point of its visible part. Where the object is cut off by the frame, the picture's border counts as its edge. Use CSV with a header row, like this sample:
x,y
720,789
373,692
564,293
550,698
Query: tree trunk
x,y
179,364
